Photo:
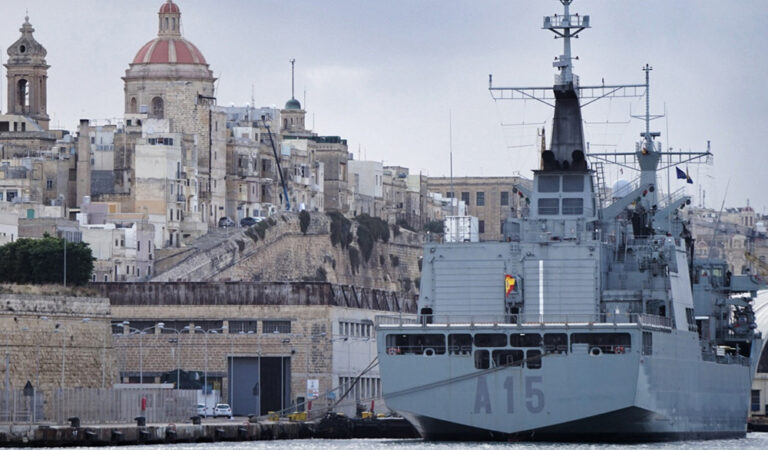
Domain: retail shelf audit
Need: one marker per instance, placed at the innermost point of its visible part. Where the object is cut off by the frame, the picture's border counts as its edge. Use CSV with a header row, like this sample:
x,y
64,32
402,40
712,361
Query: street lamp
x,y
141,333
162,327
205,344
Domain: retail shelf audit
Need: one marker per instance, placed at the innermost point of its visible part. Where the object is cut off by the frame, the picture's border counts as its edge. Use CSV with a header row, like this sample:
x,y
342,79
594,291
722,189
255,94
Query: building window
x,y
208,325
449,194
755,397
276,326
132,107
480,199
465,198
505,198
157,108
243,326
481,226
49,184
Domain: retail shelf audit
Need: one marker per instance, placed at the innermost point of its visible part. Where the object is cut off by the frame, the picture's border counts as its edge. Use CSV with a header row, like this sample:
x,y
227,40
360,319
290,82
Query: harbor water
x,y
752,441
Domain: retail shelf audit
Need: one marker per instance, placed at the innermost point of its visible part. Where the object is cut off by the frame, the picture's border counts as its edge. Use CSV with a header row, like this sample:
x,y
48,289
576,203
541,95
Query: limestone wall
x,y
286,254
50,338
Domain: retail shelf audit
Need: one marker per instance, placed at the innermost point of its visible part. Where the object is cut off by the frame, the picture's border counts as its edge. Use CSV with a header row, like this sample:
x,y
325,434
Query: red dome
x,y
169,7
169,51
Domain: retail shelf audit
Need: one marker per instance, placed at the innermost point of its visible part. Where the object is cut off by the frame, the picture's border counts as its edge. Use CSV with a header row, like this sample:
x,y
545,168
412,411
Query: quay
x,y
332,426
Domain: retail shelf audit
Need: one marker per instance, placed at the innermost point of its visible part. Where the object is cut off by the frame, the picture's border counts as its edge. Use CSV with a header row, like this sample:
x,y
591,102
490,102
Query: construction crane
x,y
277,160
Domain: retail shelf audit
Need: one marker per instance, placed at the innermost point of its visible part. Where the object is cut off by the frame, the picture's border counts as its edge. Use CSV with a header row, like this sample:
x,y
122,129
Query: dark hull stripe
x,y
627,425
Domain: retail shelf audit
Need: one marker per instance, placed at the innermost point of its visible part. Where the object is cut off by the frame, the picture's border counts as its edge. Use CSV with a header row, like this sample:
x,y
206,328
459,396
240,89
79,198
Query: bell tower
x,y
27,74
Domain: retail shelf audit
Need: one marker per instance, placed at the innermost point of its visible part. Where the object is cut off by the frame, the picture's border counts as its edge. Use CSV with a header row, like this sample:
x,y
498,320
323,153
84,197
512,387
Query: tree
x,y
434,226
41,261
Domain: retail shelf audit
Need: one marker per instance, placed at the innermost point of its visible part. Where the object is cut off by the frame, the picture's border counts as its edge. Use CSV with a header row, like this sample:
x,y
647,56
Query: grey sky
x,y
384,74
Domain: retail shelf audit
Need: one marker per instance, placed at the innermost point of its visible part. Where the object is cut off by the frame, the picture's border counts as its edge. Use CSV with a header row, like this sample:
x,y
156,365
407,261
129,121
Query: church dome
x,y
169,55
169,7
165,50
292,104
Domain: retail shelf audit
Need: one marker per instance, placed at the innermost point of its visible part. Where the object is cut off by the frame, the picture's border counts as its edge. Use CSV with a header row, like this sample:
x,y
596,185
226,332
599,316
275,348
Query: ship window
x,y
549,206
533,359
482,361
556,343
525,340
460,344
415,344
573,206
606,342
549,183
573,183
647,343
507,358
490,340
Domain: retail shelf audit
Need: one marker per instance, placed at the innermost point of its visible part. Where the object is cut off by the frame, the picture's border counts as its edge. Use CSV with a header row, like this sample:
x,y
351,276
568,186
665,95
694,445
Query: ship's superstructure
x,y
591,320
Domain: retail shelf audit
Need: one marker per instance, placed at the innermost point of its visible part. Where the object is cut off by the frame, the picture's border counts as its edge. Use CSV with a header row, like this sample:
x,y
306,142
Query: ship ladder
x,y
599,182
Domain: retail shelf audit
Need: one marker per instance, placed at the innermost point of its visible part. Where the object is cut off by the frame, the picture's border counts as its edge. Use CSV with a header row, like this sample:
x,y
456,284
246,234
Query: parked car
x,y
222,410
249,221
201,410
226,222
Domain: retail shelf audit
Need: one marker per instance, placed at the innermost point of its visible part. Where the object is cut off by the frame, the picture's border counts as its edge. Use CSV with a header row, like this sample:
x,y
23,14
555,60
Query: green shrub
x,y
354,259
365,241
378,228
340,229
304,220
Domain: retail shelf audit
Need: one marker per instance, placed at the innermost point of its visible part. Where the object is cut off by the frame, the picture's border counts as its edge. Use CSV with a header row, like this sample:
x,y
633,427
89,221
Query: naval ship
x,y
592,320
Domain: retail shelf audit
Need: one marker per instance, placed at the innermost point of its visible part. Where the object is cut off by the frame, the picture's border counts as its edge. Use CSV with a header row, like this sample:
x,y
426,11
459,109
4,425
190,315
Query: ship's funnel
x,y
567,150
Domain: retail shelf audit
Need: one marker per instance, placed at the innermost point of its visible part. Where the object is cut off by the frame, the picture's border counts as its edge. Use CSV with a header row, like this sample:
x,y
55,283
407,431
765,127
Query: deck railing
x,y
507,320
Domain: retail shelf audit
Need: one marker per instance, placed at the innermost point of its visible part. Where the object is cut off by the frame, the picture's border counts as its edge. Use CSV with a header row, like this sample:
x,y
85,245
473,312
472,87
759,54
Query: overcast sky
x,y
385,74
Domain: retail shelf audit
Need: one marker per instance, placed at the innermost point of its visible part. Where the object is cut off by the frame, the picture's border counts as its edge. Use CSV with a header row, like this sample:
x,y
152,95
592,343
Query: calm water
x,y
752,441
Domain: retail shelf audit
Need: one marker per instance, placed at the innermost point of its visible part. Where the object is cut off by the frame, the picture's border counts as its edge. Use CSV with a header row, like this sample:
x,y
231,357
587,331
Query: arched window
x,y
132,106
166,23
157,108
23,93
173,24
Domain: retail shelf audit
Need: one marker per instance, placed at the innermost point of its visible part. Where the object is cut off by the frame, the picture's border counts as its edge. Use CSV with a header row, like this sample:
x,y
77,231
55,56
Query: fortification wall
x,y
54,341
284,253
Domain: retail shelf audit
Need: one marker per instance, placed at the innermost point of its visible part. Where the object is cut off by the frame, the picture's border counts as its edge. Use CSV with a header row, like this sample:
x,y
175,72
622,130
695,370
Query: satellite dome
x,y
621,188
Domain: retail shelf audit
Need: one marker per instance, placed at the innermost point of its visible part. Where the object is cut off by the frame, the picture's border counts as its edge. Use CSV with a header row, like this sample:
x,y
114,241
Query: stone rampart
x,y
284,253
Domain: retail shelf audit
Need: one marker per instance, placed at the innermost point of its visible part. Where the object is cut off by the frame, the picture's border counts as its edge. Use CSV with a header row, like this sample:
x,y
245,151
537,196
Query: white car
x,y
201,410
222,410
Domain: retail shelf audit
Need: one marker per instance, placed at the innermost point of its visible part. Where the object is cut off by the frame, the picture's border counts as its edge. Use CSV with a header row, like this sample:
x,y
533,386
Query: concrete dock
x,y
330,427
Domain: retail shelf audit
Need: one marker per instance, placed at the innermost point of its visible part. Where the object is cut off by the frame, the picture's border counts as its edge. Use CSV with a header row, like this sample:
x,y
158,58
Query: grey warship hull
x,y
667,395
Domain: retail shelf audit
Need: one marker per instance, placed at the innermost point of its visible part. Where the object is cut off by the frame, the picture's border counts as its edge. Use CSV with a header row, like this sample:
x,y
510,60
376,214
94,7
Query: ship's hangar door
x,y
259,384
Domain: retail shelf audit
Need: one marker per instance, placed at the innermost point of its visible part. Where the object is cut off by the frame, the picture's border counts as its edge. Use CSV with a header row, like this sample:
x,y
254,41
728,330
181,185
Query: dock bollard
x,y
90,435
141,421
117,436
196,420
74,422
242,433
170,433
219,433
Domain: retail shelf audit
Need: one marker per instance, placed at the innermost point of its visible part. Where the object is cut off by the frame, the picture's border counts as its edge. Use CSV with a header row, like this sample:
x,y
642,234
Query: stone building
x,y
270,338
490,199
